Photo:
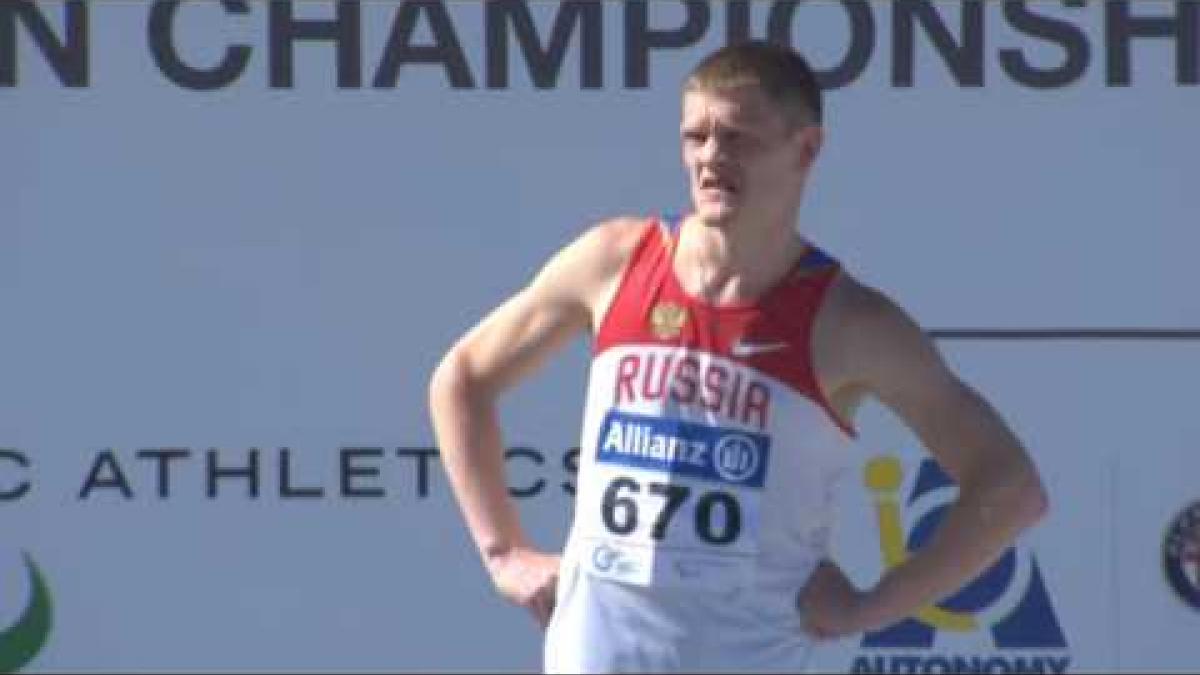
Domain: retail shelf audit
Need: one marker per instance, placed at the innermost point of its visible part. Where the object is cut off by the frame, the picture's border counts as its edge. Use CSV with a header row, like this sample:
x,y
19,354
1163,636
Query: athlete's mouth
x,y
718,183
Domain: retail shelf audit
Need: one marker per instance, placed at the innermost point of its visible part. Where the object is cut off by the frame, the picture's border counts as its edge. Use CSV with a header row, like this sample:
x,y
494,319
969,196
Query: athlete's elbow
x,y
1036,498
1022,497
1010,496
448,381
454,382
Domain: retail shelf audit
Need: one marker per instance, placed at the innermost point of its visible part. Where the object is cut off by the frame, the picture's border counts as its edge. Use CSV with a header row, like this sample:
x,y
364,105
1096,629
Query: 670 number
x,y
620,510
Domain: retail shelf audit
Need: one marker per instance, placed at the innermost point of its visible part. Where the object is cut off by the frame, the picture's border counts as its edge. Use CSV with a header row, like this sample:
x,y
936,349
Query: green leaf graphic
x,y
21,642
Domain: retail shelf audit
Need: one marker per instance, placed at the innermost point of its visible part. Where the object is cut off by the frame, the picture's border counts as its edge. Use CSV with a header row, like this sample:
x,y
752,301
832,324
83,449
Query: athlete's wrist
x,y
890,600
871,611
497,553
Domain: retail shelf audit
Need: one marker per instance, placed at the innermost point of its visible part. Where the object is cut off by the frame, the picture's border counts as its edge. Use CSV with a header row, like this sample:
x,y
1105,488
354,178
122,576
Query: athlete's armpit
x,y
886,354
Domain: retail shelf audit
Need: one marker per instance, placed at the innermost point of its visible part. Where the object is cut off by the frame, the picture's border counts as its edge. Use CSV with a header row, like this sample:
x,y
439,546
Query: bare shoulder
x,y
584,273
860,311
608,244
596,251
865,339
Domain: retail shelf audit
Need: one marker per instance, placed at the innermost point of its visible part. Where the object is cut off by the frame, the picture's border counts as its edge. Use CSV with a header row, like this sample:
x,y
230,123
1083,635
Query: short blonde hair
x,y
782,73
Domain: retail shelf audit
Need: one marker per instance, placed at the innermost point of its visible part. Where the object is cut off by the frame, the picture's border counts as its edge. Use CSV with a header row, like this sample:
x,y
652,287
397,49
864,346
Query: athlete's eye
x,y
732,138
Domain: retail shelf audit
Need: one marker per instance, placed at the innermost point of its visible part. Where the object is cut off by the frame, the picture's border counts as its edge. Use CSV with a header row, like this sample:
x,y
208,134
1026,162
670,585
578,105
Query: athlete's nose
x,y
712,148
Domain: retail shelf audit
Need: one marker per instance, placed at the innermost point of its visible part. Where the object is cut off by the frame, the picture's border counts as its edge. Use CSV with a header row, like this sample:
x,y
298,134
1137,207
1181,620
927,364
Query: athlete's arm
x,y
886,354
507,345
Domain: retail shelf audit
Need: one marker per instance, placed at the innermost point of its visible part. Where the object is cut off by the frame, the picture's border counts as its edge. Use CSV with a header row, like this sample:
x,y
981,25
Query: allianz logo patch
x,y
672,446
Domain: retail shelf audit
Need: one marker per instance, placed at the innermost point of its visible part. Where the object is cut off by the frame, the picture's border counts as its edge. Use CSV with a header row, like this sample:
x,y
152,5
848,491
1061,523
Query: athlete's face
x,y
742,156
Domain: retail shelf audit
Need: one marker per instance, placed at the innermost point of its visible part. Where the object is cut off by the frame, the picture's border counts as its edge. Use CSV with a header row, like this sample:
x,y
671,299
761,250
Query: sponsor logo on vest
x,y
605,558
736,458
684,448
643,440
743,349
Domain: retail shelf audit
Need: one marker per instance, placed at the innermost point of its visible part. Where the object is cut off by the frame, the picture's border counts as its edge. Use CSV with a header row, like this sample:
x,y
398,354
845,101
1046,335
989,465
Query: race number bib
x,y
676,504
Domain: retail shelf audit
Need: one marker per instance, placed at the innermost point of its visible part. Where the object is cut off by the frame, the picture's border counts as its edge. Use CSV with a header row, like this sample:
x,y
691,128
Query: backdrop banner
x,y
239,235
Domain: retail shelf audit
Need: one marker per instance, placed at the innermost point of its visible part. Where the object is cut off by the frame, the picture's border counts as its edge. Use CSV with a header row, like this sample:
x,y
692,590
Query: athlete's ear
x,y
809,140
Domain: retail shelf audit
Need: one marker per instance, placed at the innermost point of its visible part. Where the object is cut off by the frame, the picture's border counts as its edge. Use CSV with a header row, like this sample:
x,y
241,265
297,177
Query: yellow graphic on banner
x,y
882,477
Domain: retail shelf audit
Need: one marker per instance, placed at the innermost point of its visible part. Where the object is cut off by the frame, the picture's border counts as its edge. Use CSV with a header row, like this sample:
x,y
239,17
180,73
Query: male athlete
x,y
729,356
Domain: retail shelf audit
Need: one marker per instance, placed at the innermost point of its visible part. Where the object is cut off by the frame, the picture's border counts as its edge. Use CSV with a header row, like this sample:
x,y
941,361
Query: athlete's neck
x,y
734,263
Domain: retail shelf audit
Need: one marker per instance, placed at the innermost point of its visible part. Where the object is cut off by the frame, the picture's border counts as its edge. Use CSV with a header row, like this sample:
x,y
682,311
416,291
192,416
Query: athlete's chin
x,y
716,215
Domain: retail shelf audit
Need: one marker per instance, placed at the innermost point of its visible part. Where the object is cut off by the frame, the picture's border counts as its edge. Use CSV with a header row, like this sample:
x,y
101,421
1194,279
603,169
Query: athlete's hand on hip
x,y
830,604
528,578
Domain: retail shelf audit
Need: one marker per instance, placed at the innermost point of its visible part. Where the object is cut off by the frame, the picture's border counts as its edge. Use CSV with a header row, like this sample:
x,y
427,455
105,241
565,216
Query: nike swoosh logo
x,y
742,349
23,640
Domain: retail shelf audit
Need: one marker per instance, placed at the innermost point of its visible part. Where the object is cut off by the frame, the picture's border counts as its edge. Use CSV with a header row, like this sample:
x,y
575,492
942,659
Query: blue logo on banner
x,y
1181,555
1030,624
727,456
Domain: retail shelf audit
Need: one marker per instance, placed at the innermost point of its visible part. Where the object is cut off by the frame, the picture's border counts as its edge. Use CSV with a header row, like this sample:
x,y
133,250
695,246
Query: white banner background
x,y
258,267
